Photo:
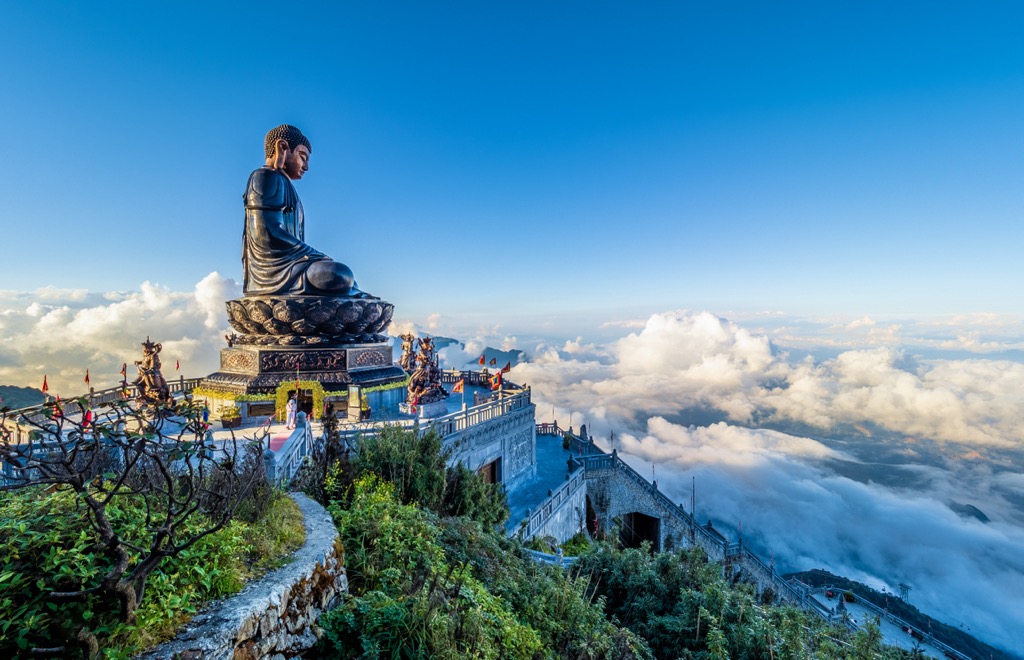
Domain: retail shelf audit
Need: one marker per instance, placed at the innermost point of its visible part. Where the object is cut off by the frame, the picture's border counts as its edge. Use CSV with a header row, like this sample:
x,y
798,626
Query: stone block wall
x,y
616,490
511,437
613,494
275,616
567,519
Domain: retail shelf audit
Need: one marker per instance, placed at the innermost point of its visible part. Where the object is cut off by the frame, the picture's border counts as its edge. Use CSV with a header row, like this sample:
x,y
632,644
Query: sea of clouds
x,y
59,333
830,447
846,463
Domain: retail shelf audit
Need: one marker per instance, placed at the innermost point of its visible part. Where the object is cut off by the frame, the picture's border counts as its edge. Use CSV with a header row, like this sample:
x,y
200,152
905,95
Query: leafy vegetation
x,y
49,547
104,516
213,393
577,545
432,575
414,464
682,606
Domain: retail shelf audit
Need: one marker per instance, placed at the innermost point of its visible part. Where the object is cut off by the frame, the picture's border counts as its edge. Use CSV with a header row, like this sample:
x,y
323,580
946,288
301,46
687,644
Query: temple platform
x,y
261,369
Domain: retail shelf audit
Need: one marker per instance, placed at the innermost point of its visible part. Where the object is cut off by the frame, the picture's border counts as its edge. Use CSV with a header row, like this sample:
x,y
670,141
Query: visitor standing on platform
x,y
290,413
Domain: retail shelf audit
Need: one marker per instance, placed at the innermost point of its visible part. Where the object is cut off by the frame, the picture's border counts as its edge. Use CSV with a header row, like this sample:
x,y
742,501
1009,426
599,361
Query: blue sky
x,y
496,160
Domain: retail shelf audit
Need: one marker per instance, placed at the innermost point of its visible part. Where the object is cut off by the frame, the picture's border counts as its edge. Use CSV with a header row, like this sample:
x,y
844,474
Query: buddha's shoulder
x,y
267,185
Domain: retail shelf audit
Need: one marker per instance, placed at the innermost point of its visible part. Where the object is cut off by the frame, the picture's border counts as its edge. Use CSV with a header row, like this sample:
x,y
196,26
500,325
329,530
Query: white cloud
x,y
73,331
789,505
689,391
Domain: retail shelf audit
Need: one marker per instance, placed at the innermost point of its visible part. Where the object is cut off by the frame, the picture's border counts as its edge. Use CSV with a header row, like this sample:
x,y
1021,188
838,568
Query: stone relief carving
x,y
519,453
372,358
238,361
303,361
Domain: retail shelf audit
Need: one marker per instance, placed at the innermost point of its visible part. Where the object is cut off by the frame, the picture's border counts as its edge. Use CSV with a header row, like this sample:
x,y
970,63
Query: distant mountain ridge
x,y
15,397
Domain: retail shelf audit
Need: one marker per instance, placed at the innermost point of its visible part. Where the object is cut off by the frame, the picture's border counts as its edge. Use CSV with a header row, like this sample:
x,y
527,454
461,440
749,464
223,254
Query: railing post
x,y
270,465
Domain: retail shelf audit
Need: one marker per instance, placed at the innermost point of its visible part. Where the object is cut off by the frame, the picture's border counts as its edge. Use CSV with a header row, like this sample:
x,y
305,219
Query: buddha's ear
x,y
280,153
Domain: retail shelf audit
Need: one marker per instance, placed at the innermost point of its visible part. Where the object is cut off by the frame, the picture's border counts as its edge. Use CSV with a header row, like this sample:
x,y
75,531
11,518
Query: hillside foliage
x,y
432,574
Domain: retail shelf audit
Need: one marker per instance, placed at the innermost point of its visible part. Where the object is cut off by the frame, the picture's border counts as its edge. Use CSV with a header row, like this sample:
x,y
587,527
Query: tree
x,y
156,456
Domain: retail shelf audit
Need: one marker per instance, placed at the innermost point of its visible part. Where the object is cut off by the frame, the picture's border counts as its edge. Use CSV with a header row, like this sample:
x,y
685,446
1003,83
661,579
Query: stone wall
x,y
566,519
512,437
613,494
273,617
615,489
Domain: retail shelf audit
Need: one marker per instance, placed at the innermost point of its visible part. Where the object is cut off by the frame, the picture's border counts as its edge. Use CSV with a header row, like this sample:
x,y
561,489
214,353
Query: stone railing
x,y
273,616
478,378
284,464
548,558
286,461
546,508
456,422
70,406
577,443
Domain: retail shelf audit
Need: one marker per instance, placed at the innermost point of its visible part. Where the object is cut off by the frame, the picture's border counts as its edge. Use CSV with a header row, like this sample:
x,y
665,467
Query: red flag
x,y
494,361
481,360
496,381
86,376
507,368
124,370
177,365
46,388
459,386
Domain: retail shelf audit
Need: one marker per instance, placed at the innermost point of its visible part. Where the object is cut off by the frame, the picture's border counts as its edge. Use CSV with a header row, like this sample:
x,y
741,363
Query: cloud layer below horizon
x,y
844,459
847,463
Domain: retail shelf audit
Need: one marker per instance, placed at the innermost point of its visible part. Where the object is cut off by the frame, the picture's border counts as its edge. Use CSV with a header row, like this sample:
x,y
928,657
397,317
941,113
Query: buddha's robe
x,y
274,255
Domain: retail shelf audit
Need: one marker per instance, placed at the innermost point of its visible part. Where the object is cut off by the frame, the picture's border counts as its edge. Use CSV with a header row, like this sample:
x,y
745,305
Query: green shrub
x,y
406,599
48,545
419,469
682,606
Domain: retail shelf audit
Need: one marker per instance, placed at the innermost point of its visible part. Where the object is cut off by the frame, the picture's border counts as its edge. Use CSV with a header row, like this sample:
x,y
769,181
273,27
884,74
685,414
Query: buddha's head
x,y
288,150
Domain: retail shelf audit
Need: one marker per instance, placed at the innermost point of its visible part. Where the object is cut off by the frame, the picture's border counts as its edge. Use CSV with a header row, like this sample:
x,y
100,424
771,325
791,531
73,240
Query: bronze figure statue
x,y
293,294
425,382
275,257
407,361
150,383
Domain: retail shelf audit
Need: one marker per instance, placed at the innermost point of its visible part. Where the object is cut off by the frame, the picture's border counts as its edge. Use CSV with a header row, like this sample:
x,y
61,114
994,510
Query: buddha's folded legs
x,y
330,277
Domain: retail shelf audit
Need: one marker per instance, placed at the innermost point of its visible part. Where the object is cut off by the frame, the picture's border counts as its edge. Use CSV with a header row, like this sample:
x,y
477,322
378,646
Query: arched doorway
x,y
637,528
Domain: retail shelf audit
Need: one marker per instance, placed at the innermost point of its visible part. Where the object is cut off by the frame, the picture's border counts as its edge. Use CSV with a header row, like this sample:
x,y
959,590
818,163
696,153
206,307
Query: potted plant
x,y
231,417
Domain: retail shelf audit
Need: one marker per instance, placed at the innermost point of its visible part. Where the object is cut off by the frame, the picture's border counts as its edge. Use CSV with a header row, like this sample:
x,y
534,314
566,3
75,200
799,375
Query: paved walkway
x,y
891,633
551,470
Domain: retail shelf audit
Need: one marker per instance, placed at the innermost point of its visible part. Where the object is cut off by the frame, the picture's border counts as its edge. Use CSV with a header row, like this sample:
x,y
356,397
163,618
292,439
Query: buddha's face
x,y
296,162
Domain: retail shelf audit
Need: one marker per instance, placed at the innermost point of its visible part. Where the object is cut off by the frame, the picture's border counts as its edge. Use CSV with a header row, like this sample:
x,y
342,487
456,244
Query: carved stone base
x,y
260,369
308,320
